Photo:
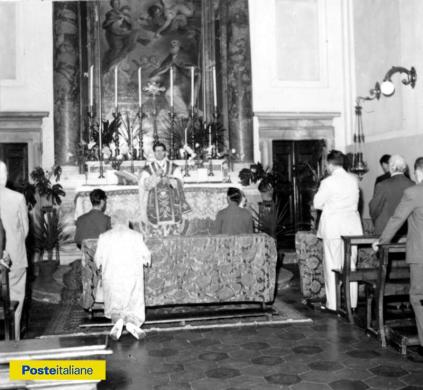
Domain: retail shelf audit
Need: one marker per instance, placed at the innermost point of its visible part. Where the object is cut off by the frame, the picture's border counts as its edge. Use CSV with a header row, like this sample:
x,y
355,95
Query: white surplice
x,y
121,254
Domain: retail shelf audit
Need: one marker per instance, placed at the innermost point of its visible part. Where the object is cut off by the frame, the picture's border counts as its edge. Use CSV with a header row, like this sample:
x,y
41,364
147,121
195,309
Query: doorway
x,y
15,156
298,165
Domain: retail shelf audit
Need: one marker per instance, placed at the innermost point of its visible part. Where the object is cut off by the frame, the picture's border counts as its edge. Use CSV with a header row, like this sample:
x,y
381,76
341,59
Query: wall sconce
x,y
388,87
374,93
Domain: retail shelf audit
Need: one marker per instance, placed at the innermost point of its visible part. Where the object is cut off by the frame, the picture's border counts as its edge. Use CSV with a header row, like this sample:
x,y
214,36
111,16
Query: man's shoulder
x,y
383,177
93,215
245,212
11,194
394,180
414,191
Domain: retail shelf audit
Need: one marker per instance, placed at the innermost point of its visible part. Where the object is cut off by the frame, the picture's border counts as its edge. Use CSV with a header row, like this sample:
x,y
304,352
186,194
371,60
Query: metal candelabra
x,y
91,126
172,117
140,116
186,166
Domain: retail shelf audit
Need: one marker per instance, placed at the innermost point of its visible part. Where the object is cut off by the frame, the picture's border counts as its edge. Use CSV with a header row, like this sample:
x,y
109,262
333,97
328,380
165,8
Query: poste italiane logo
x,y
57,370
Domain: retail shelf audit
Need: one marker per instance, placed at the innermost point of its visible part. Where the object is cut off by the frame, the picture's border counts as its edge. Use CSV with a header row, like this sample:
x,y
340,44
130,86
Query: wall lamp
x,y
388,87
374,93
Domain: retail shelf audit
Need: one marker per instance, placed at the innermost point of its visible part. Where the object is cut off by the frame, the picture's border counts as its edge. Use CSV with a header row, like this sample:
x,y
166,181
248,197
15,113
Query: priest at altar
x,y
162,199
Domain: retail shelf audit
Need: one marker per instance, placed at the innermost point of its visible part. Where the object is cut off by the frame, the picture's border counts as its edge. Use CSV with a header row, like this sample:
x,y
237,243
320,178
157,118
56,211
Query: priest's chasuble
x,y
162,198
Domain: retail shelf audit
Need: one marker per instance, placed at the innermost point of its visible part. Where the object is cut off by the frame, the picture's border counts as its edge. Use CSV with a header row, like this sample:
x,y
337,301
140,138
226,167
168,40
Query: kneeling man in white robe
x,y
338,198
121,255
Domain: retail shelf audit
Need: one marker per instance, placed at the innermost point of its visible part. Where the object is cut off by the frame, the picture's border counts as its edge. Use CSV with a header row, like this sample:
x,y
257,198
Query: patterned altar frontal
x,y
205,202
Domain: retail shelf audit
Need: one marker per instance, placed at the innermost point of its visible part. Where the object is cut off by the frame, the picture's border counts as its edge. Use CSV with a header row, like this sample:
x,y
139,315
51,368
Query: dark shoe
x,y
324,309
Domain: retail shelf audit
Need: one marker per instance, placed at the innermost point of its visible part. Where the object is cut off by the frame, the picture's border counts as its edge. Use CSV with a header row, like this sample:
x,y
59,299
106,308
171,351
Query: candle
x,y
171,87
186,136
192,86
214,88
116,88
139,88
91,92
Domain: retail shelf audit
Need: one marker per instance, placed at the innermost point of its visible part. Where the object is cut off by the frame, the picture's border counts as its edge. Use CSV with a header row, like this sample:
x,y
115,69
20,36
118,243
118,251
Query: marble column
x,y
66,81
239,94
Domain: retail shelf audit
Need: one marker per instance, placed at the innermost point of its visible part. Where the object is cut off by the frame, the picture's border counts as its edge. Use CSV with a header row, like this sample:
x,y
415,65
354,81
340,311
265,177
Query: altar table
x,y
205,201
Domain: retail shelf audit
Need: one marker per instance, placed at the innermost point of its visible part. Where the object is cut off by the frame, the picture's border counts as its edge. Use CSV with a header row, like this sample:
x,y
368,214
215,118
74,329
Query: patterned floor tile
x,y
347,384
283,379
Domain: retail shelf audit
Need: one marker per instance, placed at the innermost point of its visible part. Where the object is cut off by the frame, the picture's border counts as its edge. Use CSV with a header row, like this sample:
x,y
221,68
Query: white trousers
x,y
17,287
334,259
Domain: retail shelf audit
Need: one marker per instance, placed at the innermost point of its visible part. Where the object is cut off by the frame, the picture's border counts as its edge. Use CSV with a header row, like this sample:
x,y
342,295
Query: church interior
x,y
170,107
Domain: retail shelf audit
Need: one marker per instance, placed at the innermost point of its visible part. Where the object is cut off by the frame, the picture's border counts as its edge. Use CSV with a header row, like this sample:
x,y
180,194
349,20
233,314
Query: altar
x,y
205,199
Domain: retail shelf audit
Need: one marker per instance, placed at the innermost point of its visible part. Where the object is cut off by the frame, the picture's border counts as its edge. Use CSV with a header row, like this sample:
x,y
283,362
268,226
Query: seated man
x,y
233,219
121,255
95,222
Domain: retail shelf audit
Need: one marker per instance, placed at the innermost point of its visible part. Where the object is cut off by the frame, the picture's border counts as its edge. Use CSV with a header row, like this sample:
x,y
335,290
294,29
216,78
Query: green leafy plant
x,y
46,231
43,187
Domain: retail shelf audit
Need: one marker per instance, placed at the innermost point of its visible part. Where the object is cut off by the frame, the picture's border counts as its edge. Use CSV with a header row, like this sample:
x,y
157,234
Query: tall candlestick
x,y
139,88
91,92
116,88
214,88
192,86
171,86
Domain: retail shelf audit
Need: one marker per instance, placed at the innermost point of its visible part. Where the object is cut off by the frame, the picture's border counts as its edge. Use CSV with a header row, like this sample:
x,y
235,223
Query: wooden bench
x,y
396,285
346,275
51,348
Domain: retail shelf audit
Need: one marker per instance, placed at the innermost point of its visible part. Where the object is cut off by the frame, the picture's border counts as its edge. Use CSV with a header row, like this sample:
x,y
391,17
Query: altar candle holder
x,y
213,132
116,115
186,166
140,116
192,119
210,167
172,117
91,125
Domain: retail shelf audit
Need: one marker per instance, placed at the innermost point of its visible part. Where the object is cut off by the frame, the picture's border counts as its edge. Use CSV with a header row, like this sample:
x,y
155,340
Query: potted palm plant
x,y
43,199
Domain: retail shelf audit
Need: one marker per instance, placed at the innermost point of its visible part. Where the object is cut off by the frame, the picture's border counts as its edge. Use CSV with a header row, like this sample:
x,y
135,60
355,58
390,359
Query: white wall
x,y
388,33
315,39
32,87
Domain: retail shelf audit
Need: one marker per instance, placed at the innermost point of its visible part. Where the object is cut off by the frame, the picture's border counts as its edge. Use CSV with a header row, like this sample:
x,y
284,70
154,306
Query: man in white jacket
x,y
338,198
14,215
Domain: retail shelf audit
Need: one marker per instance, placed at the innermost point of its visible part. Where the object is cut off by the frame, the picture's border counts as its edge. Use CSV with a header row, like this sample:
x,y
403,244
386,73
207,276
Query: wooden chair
x,y
7,307
345,276
394,282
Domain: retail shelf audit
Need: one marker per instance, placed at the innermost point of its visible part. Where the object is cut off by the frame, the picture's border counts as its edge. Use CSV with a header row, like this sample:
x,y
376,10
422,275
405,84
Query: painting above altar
x,y
153,35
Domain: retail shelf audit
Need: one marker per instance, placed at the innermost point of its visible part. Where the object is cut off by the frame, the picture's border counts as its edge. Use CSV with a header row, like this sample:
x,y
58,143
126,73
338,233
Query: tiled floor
x,y
326,354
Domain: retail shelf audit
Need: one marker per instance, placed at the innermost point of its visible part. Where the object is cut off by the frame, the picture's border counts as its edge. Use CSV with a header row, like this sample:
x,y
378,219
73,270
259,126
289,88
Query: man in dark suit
x,y
388,194
411,207
233,219
384,163
95,222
